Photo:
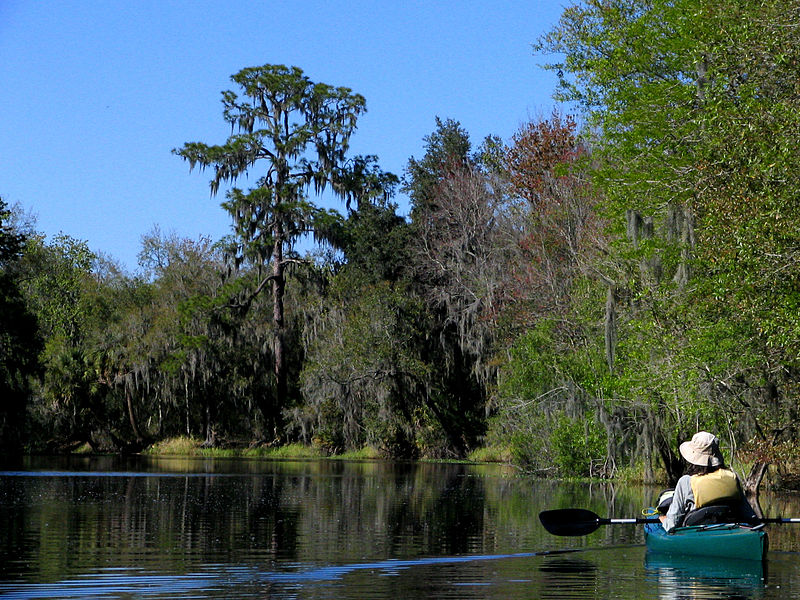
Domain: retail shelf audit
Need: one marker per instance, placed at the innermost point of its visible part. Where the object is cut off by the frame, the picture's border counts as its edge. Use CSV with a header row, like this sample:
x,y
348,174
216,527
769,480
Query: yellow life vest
x,y
718,487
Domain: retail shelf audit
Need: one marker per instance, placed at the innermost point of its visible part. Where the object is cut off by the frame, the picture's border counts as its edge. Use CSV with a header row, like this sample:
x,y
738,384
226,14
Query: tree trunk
x,y
208,425
752,483
279,340
131,415
611,328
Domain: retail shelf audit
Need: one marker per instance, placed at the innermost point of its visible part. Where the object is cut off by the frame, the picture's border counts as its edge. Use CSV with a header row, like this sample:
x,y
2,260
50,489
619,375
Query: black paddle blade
x,y
569,521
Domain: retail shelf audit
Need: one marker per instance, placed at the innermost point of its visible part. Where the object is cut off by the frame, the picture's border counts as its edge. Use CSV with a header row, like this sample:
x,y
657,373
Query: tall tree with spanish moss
x,y
291,135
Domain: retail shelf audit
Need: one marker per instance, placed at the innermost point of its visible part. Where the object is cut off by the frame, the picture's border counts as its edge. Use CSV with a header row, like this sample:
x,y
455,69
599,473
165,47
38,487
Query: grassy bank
x,y
192,447
186,446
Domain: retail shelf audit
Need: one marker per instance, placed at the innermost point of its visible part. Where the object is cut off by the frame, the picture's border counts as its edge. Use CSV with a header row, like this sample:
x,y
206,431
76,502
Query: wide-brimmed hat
x,y
702,449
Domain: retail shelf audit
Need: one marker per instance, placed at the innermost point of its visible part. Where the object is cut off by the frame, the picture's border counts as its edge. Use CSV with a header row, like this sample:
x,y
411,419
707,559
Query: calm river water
x,y
160,528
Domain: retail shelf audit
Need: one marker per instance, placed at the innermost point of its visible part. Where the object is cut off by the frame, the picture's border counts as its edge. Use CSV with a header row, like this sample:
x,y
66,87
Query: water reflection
x,y
568,578
172,528
697,578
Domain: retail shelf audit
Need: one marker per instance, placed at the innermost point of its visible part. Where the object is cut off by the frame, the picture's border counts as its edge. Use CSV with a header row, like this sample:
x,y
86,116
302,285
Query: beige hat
x,y
702,450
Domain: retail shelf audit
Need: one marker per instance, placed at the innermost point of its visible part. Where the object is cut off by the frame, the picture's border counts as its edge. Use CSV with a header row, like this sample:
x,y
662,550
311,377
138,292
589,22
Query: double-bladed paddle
x,y
579,521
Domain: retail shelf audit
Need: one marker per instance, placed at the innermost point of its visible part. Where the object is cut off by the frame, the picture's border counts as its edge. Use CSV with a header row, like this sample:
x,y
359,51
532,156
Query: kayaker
x,y
707,483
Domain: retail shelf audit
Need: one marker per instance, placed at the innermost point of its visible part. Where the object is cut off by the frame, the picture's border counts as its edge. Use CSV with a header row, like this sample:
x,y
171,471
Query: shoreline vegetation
x,y
188,447
184,446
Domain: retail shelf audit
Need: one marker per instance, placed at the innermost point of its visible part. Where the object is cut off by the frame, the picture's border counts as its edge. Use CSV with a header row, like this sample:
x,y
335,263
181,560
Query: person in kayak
x,y
709,491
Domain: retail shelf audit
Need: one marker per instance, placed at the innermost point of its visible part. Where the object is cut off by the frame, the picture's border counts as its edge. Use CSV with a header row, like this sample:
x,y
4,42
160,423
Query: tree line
x,y
583,296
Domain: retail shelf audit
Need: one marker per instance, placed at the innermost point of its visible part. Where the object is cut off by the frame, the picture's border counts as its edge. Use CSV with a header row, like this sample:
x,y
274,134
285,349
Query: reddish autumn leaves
x,y
545,167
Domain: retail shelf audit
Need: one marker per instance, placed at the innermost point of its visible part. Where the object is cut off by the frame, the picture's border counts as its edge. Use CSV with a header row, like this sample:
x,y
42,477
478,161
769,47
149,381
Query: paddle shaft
x,y
578,521
601,521
780,520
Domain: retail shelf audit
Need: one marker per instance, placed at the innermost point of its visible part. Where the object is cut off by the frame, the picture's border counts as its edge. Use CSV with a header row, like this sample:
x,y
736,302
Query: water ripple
x,y
212,580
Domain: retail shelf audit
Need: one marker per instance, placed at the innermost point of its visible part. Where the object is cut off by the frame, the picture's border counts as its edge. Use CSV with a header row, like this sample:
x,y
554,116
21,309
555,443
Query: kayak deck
x,y
726,540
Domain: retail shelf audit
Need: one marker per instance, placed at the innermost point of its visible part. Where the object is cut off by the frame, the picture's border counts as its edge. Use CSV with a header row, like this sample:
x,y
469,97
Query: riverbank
x,y
188,447
185,446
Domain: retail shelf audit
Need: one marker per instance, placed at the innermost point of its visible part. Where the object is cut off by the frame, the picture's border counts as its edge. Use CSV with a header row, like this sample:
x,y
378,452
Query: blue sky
x,y
94,94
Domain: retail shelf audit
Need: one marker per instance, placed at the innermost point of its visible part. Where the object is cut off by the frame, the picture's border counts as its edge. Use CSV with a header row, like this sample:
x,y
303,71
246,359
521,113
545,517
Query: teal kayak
x,y
726,540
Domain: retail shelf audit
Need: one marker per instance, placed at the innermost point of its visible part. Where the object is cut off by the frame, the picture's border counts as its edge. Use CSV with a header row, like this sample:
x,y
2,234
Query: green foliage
x,y
19,341
375,242
329,432
59,276
694,121
11,241
578,446
446,148
557,444
490,454
61,290
528,450
531,370
361,376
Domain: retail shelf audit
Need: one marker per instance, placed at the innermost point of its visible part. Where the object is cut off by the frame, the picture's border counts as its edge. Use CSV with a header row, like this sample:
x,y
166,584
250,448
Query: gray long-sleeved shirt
x,y
683,502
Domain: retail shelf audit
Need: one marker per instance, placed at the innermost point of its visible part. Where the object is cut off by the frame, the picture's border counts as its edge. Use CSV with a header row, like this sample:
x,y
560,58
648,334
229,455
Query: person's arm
x,y
680,500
